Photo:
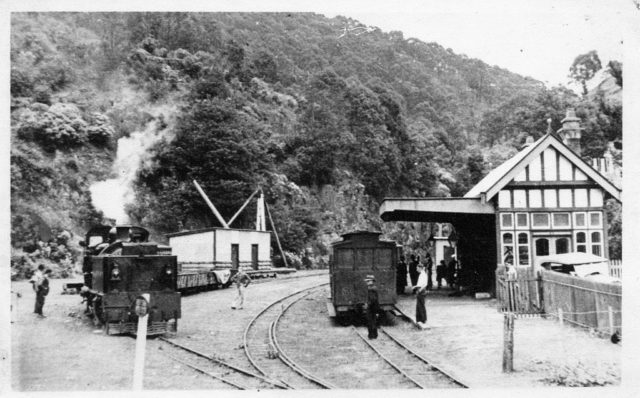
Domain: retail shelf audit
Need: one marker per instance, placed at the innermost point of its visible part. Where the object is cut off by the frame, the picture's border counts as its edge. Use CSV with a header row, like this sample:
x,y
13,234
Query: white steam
x,y
112,195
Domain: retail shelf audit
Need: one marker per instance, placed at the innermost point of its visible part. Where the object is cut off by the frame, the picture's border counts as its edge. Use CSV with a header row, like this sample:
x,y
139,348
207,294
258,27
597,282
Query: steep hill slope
x,y
327,115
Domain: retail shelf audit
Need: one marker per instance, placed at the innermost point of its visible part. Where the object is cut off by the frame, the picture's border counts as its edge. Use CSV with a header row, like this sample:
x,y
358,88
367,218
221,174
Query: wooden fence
x,y
518,292
615,268
579,301
571,299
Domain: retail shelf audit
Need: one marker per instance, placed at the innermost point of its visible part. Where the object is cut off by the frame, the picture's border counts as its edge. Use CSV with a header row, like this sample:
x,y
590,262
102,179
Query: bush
x,y
51,130
100,131
21,84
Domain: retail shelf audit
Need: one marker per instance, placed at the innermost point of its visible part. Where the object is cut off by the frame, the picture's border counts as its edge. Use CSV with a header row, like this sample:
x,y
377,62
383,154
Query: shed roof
x,y
204,230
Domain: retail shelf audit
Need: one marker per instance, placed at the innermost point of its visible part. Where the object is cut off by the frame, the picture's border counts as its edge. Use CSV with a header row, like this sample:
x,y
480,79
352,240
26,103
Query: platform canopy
x,y
451,210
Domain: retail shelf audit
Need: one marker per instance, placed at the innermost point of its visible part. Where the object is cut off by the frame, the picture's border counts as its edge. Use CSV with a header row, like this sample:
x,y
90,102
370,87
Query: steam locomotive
x,y
120,264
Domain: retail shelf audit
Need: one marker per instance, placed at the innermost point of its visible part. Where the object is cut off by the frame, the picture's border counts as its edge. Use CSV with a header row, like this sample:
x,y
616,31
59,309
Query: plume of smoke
x,y
112,195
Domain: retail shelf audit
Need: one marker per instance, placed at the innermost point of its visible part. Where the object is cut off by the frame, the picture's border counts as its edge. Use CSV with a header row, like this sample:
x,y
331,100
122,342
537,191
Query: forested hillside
x,y
328,116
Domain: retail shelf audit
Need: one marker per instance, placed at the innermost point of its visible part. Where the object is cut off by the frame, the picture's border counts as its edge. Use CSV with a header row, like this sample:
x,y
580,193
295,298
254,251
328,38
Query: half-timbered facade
x,y
544,200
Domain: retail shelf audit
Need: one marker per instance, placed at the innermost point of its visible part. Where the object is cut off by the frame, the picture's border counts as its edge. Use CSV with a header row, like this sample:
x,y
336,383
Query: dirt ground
x,y
465,338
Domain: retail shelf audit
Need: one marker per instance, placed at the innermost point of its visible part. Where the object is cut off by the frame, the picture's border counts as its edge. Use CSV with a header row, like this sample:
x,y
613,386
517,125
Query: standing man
x,y
440,270
451,272
41,293
421,293
242,280
413,270
429,265
36,280
401,276
373,307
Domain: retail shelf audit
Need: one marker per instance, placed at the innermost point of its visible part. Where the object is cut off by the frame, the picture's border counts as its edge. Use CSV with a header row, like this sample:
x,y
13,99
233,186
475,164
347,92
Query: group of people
x,y
40,284
444,271
420,285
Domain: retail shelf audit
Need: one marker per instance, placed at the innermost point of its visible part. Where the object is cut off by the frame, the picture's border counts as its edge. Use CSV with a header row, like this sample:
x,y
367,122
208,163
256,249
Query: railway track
x,y
409,365
270,362
265,353
229,375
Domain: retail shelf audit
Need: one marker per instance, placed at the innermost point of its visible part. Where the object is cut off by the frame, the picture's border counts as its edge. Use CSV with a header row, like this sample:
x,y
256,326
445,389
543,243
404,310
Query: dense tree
x,y
615,69
584,67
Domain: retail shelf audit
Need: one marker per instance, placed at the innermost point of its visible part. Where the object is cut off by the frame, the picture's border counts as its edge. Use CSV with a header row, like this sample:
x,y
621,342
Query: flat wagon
x,y
357,255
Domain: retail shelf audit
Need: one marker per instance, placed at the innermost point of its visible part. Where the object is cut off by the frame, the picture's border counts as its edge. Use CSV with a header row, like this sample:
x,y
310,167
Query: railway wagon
x,y
207,257
357,255
120,265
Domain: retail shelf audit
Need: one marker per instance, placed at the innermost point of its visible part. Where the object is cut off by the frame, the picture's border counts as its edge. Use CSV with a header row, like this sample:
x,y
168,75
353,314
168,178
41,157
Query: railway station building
x,y
544,200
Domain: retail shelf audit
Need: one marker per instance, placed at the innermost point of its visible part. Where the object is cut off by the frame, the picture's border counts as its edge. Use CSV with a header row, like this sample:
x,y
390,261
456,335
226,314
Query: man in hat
x,y
373,307
421,292
41,293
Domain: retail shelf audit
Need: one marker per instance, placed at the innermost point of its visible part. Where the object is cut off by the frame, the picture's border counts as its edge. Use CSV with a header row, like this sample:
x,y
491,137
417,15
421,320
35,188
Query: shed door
x,y
235,253
254,256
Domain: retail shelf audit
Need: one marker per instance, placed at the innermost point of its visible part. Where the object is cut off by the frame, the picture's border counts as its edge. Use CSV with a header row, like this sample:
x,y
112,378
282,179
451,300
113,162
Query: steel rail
x,y
283,356
222,379
423,359
220,362
255,318
390,362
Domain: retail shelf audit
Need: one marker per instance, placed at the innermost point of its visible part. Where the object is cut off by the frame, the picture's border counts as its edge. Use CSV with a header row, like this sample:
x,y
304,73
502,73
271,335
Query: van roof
x,y
571,258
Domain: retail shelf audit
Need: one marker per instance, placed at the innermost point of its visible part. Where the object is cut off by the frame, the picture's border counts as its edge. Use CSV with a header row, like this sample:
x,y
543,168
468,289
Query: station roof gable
x,y
493,182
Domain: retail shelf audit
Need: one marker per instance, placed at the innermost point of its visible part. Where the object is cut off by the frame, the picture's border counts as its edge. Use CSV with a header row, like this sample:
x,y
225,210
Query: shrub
x,y
51,130
21,83
100,132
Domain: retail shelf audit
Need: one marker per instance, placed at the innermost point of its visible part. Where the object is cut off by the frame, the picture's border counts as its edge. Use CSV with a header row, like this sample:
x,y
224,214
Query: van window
x,y
344,259
382,259
364,259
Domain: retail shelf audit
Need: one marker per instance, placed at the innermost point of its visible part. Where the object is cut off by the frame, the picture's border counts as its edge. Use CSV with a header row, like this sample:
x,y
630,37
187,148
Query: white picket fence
x,y
615,268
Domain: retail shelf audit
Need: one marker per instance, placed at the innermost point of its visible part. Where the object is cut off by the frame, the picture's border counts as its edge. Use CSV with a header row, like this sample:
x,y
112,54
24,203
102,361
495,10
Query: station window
x,y
522,220
580,219
581,242
507,248
595,219
523,248
596,243
540,220
561,220
506,220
